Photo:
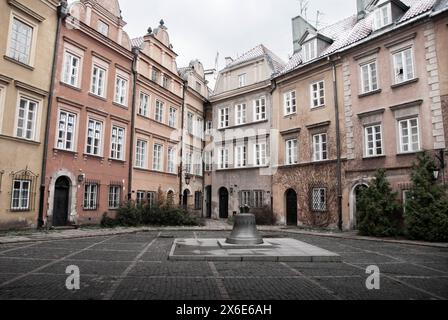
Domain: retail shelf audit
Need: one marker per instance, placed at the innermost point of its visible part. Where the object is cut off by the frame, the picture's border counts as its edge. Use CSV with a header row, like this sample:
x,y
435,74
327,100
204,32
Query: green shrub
x,y
378,208
107,222
426,216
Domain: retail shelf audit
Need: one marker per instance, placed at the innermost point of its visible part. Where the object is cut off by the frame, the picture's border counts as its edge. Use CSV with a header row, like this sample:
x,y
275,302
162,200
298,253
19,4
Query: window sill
x,y
33,142
317,108
370,93
374,157
69,86
290,115
86,155
404,83
120,105
143,116
411,153
19,210
84,209
117,160
27,66
57,150
244,124
97,97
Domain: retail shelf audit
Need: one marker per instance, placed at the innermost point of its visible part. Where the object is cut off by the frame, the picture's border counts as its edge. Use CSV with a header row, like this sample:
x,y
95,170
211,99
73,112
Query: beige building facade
x,y
27,44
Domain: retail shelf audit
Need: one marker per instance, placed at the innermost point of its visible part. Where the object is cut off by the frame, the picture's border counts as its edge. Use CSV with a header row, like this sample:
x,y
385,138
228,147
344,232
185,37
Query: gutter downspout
x,y
338,145
135,51
181,151
62,13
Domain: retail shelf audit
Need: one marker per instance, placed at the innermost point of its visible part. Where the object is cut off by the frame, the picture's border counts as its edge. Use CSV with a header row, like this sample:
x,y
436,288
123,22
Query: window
x,y
190,122
117,140
154,75
241,80
103,28
94,137
404,66
141,197
319,199
320,147
199,128
373,141
165,82
188,161
369,77
159,111
260,109
409,135
120,90
208,157
260,154
98,81
223,118
114,197
20,200
157,157
209,127
140,154
258,199
20,41
66,131
152,196
171,160
291,151
90,196
71,69
26,120
382,17
144,104
309,50
172,117
245,199
240,114
223,158
198,200
289,100
317,94
240,156
198,164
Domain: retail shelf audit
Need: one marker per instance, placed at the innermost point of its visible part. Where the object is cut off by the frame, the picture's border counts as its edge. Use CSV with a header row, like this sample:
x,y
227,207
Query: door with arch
x,y
291,207
61,202
354,205
185,196
223,203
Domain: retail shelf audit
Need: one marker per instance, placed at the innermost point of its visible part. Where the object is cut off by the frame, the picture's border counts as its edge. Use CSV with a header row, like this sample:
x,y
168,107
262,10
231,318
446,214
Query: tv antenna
x,y
303,7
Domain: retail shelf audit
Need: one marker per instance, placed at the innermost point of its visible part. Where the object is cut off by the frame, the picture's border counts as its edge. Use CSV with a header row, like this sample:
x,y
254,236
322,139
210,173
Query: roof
x,y
349,31
137,42
259,51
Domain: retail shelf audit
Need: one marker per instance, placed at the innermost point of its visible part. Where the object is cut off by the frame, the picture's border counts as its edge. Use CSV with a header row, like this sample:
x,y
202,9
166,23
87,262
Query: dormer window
x,y
242,80
309,50
382,16
103,28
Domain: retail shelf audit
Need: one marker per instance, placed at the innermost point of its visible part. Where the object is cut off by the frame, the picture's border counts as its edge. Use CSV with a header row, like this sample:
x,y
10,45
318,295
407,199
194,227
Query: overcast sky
x,y
201,28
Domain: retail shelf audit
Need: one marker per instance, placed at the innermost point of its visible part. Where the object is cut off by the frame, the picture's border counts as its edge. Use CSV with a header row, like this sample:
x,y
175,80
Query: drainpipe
x,y
62,12
181,151
338,145
135,51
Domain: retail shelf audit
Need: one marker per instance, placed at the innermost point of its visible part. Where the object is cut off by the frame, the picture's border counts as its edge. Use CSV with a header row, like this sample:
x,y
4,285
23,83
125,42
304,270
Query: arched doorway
x,y
291,207
170,198
223,203
185,196
61,202
356,191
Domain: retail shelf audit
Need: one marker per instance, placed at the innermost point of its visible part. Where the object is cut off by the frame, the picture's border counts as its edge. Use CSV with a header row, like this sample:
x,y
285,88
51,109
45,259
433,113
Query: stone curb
x,y
112,232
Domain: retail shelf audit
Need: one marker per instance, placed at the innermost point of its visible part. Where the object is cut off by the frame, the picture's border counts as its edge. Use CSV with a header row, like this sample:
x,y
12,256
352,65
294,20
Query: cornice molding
x,y
16,4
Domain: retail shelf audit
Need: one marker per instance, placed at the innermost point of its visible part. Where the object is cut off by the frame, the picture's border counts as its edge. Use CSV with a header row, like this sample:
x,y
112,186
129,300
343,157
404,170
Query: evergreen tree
x,y
378,208
426,215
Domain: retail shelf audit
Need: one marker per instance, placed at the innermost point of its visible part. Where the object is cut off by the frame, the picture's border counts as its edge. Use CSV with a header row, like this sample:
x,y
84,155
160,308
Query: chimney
x,y
299,27
361,8
229,60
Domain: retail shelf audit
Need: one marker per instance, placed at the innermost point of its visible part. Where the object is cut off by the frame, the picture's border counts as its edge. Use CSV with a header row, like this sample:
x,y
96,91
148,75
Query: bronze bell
x,y
245,231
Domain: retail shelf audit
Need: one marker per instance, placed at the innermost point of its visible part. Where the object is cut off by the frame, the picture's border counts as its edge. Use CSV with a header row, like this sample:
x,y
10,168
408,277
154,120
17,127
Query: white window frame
x,y
241,80
25,119
209,127
291,154
241,156
190,120
31,46
118,144
102,28
143,109
246,196
290,103
62,128
101,138
379,16
258,199
319,152
121,90
241,114
141,154
321,195
208,161
223,159
407,76
260,154
21,195
409,136
309,50
114,197
158,112
71,72
371,76
260,109
224,117
2,104
189,162
318,94
157,163
90,196
373,151
99,85
172,119
171,159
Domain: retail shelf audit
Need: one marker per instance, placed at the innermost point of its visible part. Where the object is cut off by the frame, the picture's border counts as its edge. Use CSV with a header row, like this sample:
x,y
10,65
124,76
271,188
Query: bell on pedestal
x,y
245,231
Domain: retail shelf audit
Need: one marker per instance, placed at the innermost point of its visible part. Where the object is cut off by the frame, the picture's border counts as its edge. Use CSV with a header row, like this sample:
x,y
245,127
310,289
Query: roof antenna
x,y
303,7
318,14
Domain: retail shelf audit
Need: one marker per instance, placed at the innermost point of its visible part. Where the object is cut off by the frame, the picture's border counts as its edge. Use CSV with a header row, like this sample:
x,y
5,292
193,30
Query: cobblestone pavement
x,y
135,266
